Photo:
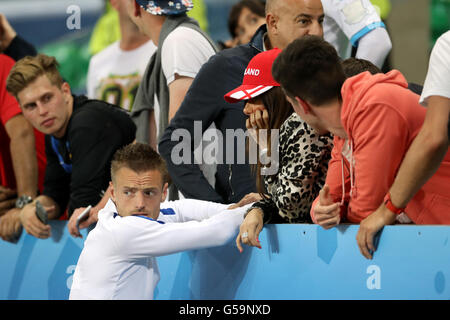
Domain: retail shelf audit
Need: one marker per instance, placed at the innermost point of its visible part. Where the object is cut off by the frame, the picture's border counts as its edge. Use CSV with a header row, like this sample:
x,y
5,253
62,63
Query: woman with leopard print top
x,y
304,156
303,153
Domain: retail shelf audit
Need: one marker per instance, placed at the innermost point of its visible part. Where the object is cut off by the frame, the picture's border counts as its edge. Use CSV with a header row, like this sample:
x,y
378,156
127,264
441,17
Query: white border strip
x,y
44,8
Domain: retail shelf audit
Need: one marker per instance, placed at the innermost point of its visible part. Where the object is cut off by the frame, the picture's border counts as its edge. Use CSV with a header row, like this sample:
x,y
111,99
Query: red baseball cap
x,y
257,77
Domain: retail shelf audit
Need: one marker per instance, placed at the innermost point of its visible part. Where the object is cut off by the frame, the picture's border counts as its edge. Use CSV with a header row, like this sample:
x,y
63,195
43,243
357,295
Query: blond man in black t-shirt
x,y
81,138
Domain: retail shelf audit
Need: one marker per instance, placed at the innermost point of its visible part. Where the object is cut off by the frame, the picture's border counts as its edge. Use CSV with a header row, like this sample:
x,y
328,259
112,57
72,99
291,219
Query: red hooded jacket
x,y
381,118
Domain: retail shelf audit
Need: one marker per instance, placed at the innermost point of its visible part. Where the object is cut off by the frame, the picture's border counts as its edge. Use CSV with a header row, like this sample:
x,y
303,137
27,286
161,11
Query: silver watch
x,y
23,200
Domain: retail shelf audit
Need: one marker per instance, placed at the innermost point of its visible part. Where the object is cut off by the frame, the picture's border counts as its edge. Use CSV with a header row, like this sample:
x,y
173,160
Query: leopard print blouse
x,y
303,164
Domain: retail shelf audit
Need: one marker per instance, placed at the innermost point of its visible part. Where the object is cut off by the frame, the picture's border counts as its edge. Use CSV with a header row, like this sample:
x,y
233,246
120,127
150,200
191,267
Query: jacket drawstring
x,y
351,169
351,173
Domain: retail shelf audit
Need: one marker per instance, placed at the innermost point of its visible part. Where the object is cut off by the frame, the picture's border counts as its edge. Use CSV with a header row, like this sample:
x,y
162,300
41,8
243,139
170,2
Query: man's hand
x,y
326,212
72,224
250,229
248,198
31,222
10,225
8,199
369,227
7,33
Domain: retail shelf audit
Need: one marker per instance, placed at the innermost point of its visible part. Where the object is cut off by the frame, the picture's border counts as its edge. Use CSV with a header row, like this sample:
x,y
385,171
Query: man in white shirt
x,y
118,260
115,72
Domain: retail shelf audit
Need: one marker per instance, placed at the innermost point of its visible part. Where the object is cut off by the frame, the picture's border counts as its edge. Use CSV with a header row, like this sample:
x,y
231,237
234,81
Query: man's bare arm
x,y
425,153
23,155
177,91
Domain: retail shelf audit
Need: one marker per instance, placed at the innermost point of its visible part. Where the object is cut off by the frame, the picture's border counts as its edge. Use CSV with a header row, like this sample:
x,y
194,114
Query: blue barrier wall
x,y
295,262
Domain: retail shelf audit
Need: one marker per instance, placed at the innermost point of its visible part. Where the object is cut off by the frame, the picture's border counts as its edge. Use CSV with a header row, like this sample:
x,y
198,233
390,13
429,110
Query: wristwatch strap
x,y
23,200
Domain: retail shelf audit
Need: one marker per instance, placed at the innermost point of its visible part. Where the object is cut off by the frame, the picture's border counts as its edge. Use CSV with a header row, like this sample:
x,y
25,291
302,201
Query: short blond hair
x,y
139,157
28,69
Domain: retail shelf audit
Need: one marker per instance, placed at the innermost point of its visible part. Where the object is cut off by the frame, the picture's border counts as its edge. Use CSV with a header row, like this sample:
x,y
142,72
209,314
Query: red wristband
x,y
388,203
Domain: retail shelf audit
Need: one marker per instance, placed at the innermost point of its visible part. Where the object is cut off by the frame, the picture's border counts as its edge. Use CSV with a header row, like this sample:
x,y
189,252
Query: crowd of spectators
x,y
299,82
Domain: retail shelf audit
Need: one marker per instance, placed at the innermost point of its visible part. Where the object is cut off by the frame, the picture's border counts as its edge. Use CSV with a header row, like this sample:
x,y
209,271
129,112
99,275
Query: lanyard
x,y
55,144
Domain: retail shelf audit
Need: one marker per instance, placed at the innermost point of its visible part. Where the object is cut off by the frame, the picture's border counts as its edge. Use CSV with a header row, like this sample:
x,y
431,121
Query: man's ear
x,y
304,105
164,192
113,196
65,88
271,22
66,91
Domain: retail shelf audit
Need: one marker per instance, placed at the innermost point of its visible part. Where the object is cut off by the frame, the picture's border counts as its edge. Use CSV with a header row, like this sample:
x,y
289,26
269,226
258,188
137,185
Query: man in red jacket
x,y
374,119
22,158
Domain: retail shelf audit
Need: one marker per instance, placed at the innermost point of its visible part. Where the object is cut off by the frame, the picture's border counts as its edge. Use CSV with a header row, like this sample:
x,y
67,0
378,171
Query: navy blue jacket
x,y
204,102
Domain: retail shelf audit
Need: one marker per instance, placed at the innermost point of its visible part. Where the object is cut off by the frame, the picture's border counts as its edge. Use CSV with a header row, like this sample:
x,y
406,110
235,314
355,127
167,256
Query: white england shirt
x,y
118,259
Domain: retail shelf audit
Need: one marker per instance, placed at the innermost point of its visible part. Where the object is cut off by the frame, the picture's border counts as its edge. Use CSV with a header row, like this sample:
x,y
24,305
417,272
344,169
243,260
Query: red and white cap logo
x,y
257,77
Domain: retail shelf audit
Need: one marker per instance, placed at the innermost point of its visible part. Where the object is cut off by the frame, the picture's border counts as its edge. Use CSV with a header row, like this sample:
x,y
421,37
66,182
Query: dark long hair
x,y
278,109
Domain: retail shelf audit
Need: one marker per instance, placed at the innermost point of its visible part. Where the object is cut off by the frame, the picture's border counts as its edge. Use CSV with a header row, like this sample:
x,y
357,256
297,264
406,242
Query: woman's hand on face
x,y
258,118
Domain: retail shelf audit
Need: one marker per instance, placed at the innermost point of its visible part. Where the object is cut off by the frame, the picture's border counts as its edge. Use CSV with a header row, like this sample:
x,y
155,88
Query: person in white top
x,y
115,72
356,23
427,150
114,76
118,260
182,50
